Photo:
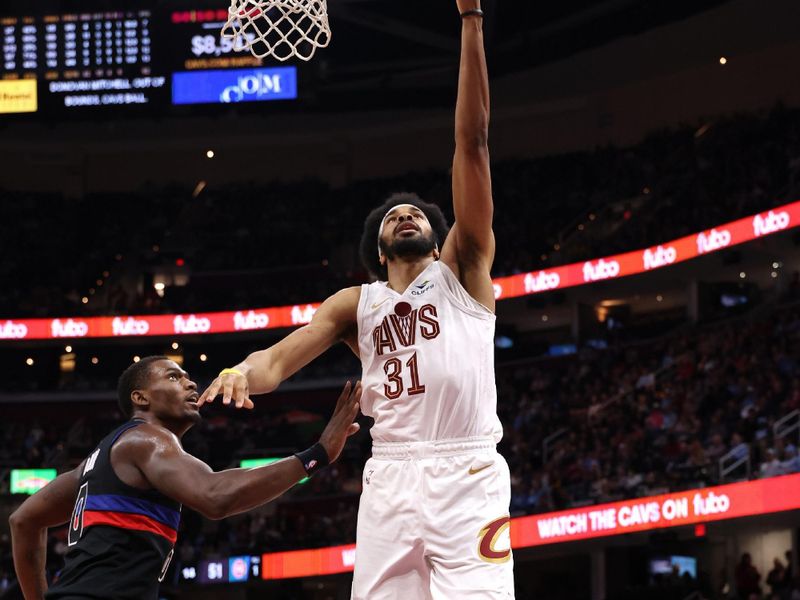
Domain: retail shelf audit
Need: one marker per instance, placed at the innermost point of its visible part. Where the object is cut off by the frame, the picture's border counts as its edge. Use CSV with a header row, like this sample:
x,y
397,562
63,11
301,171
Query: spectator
x,y
747,578
777,577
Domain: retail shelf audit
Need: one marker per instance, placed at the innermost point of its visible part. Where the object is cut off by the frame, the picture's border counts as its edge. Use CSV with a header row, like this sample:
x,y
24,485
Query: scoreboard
x,y
53,64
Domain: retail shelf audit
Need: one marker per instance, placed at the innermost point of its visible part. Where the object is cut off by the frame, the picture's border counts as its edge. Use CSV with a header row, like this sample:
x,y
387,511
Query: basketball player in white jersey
x,y
433,519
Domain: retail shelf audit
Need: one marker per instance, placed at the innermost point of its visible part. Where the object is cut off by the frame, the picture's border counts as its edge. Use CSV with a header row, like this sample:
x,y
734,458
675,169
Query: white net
x,y
279,28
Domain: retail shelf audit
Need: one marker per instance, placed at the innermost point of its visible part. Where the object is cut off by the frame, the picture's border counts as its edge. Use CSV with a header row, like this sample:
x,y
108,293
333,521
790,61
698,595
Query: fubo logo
x,y
713,240
13,331
68,328
541,282
659,257
771,223
599,270
191,324
498,291
711,504
250,320
129,326
302,315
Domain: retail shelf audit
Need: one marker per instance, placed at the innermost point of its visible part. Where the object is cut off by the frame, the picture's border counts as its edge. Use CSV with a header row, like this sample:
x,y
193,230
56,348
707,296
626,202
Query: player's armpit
x,y
472,269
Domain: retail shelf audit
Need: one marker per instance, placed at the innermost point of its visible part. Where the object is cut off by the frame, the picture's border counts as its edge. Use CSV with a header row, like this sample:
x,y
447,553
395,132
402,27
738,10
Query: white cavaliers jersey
x,y
428,360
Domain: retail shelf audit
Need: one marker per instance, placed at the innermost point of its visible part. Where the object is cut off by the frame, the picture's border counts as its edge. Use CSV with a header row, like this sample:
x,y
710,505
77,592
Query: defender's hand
x,y
341,425
465,5
233,387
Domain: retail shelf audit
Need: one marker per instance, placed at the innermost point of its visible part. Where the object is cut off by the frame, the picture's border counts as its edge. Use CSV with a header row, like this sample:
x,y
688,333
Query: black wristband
x,y
314,458
476,12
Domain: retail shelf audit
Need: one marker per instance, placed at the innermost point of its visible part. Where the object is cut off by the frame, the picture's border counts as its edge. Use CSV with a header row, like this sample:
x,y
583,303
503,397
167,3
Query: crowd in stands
x,y
642,419
251,246
638,419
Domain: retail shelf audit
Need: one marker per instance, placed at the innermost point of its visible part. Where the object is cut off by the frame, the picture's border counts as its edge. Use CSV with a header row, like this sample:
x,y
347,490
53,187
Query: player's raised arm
x,y
470,246
263,371
50,506
158,454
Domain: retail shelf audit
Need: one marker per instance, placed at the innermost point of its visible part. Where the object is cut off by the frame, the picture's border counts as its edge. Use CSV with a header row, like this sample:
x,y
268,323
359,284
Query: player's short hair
x,y
369,238
135,377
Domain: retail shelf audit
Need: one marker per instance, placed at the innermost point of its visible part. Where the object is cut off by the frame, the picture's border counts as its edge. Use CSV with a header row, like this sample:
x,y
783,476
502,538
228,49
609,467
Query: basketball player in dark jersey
x,y
123,502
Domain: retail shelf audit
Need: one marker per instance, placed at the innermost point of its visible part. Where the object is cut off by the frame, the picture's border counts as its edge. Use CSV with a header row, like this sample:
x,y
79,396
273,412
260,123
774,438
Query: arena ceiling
x,y
392,54
414,45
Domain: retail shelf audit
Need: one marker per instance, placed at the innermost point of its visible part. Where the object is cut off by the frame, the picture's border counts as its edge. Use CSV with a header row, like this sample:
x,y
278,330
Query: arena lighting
x,y
210,154
693,507
723,60
175,345
85,300
66,363
201,185
644,260
203,358
742,275
176,358
95,360
67,348
659,298
29,362
136,359
702,131
774,274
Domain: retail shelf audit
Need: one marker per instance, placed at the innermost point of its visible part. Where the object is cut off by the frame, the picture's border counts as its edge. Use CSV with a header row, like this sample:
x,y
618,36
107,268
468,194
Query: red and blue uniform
x,y
120,539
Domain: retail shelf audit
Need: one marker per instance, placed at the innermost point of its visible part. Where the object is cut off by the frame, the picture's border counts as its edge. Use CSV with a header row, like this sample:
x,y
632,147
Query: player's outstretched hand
x,y
233,387
465,5
341,425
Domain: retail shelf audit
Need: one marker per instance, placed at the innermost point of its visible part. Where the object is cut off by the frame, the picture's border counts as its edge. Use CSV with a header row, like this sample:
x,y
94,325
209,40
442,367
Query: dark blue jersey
x,y
121,538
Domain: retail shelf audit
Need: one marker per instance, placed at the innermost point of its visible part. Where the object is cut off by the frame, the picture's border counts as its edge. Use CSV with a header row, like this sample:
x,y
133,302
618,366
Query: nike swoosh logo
x,y
483,468
379,304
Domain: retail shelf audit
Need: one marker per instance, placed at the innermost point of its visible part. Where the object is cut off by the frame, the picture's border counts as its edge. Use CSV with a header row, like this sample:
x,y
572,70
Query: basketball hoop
x,y
278,28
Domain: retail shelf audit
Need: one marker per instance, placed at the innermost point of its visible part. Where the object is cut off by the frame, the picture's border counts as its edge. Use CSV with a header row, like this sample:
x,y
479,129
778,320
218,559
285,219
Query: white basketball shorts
x,y
433,523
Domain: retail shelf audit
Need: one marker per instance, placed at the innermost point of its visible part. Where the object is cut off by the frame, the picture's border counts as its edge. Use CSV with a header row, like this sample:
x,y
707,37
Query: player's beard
x,y
416,246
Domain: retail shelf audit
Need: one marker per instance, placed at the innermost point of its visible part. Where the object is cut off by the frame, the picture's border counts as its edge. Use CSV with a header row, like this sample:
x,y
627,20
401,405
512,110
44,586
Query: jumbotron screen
x,y
56,64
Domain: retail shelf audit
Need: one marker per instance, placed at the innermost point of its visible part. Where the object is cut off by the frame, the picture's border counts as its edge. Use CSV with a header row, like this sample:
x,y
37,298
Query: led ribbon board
x,y
764,496
536,282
